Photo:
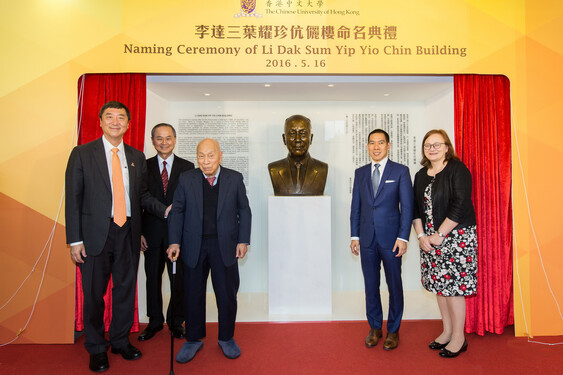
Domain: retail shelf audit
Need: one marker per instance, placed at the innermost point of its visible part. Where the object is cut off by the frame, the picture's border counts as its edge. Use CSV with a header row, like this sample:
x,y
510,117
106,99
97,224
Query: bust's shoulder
x,y
318,164
278,164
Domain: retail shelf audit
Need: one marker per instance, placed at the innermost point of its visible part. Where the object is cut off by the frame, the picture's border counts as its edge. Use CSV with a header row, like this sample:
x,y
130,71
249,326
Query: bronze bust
x,y
298,173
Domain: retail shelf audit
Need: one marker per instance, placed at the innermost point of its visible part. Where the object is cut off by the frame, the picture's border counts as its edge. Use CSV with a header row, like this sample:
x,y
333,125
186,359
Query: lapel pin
x,y
133,164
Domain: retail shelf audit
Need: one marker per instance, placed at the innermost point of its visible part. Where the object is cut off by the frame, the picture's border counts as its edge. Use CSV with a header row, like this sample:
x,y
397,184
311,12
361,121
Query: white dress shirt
x,y
168,161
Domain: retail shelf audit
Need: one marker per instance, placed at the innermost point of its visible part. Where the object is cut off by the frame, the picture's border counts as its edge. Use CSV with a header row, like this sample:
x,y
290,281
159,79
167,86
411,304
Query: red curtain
x,y
94,90
482,140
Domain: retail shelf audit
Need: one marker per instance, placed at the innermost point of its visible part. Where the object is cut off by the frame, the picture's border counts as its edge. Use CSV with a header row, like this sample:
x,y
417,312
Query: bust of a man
x,y
298,173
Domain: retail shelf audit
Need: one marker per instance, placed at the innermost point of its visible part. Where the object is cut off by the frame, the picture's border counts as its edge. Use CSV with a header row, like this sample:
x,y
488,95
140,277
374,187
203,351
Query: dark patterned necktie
x,y
298,166
164,176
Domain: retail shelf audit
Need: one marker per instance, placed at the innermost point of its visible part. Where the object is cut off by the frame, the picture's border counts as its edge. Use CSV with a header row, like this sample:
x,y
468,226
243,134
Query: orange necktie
x,y
119,210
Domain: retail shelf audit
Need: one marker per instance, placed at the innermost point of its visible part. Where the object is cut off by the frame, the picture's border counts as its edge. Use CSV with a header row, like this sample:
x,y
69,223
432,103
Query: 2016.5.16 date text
x,y
288,63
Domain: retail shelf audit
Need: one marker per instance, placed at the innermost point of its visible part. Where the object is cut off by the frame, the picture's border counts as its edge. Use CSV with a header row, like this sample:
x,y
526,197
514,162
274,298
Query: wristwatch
x,y
441,235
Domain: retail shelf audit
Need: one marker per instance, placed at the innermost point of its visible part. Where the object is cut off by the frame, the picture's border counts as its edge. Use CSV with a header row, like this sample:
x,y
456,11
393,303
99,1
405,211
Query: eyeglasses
x,y
437,145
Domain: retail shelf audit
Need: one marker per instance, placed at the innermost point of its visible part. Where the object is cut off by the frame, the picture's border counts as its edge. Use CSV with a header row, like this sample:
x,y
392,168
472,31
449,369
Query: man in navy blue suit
x,y
211,219
380,221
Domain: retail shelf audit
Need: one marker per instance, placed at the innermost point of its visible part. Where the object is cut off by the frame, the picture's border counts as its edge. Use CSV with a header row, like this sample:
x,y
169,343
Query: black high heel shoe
x,y
434,345
445,353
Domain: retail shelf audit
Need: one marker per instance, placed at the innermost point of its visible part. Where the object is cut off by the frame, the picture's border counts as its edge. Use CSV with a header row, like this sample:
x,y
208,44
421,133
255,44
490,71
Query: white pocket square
x,y
389,181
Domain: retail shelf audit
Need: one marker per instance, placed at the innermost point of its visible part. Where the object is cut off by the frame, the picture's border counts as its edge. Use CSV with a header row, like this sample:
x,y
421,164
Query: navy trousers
x,y
225,282
371,258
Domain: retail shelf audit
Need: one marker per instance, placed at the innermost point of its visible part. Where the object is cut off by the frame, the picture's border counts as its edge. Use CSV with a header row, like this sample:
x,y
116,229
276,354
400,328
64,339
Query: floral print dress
x,y
451,269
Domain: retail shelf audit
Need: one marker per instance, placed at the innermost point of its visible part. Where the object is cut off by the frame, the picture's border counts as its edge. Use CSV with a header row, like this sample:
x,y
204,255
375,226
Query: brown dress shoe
x,y
373,337
391,341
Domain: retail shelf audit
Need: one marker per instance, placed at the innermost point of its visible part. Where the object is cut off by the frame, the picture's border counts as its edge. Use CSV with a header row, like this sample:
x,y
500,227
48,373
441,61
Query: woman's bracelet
x,y
421,235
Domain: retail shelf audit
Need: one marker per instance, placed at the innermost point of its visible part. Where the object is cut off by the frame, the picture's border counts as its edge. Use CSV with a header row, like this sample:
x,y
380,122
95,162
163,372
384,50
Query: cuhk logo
x,y
248,9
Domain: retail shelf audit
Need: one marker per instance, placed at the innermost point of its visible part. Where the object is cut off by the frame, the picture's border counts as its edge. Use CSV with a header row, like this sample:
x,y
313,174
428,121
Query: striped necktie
x,y
164,176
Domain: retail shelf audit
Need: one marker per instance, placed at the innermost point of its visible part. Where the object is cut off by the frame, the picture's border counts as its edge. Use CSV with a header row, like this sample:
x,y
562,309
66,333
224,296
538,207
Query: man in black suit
x,y
105,189
211,219
163,172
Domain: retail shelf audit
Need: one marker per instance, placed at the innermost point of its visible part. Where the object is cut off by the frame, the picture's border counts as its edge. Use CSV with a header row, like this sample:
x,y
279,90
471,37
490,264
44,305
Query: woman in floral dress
x,y
444,220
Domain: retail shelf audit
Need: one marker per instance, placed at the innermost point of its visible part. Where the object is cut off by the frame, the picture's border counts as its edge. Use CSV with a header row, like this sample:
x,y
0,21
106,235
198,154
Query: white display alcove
x,y
246,113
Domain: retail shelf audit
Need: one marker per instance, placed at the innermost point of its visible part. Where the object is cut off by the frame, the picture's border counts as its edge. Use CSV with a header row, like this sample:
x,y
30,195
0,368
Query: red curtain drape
x,y
94,90
482,141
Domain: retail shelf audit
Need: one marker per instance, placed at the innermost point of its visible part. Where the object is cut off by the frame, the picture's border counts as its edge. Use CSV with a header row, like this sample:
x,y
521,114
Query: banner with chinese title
x,y
47,46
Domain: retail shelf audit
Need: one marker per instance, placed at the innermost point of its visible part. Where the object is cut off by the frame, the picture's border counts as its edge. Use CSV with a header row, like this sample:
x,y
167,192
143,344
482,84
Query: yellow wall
x,y
47,45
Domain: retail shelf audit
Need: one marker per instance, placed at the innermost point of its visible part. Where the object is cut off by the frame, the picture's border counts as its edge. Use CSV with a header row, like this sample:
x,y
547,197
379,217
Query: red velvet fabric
x,y
94,90
482,140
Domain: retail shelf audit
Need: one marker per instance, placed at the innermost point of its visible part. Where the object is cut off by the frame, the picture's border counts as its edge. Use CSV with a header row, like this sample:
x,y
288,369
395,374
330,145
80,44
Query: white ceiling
x,y
288,88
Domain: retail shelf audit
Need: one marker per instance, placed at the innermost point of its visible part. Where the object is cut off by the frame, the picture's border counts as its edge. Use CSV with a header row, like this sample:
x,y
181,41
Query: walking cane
x,y
172,316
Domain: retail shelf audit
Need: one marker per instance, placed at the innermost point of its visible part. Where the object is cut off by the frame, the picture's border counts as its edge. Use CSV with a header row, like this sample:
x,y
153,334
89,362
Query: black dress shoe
x,y
148,333
447,354
129,352
99,362
179,332
434,345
